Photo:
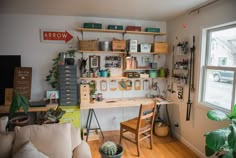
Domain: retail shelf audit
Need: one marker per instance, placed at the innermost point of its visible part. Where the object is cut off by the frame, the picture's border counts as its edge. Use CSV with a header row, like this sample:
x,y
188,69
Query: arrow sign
x,y
55,36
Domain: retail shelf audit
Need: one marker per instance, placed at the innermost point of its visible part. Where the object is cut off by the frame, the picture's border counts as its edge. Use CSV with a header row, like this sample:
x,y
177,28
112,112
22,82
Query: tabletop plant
x,y
110,149
52,116
222,142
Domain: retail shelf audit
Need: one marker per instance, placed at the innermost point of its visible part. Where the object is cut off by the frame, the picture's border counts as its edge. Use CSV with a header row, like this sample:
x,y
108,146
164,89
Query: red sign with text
x,y
56,36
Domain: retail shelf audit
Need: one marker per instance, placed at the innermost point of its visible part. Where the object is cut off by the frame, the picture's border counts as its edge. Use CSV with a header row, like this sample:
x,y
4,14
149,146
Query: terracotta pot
x,y
19,120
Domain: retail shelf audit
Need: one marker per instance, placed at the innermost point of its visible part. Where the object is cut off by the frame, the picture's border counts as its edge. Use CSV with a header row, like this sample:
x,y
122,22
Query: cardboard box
x,y
160,47
93,134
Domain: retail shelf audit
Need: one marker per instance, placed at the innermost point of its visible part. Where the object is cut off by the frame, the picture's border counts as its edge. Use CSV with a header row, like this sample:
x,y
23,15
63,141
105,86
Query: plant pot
x,y
70,61
18,121
118,154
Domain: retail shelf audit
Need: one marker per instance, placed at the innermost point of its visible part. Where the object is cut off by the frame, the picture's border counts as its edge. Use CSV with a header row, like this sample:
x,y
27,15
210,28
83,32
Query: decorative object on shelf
x,y
160,47
113,85
151,29
110,149
118,45
122,85
94,62
82,66
103,85
222,142
51,116
115,27
129,84
18,101
88,45
133,28
137,85
92,25
133,45
182,48
145,48
52,95
112,62
92,87
104,45
146,85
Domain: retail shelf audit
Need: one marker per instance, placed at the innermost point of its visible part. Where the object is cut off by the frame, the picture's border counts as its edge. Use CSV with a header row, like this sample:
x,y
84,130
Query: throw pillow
x,y
28,150
54,140
6,142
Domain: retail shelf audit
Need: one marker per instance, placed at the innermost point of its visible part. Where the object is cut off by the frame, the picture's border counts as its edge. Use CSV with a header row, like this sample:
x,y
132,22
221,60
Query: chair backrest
x,y
146,116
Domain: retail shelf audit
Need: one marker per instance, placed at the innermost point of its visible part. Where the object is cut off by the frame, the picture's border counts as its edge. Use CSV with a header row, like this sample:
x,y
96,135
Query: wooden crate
x,y
84,94
160,47
118,45
93,134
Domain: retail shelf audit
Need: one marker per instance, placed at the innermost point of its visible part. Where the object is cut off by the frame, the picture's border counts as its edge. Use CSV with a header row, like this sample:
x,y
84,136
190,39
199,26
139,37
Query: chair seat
x,y
132,124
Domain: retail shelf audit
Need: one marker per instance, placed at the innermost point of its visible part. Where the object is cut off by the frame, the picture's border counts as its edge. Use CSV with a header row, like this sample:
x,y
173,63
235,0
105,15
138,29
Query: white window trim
x,y
203,67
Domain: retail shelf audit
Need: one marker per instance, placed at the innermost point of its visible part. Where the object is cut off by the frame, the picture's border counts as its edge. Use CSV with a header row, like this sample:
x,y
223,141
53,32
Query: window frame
x,y
204,66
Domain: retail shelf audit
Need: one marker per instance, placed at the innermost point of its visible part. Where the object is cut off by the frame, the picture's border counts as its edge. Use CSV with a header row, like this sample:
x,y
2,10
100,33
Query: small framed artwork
x,y
51,94
103,85
94,62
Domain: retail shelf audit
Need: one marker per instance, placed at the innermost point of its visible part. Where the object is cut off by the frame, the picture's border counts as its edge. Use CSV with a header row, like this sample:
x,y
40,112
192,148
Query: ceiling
x,y
160,10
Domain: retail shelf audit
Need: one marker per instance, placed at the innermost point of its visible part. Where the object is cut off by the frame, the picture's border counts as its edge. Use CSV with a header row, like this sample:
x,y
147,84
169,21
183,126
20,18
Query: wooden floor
x,y
164,147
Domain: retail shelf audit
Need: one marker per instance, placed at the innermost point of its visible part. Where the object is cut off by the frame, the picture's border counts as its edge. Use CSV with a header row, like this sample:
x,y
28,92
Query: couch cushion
x,y
28,150
54,140
6,142
75,137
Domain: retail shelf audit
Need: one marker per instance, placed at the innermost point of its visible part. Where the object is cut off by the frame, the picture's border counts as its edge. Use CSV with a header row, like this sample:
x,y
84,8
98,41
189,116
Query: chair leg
x,y
121,132
137,144
151,140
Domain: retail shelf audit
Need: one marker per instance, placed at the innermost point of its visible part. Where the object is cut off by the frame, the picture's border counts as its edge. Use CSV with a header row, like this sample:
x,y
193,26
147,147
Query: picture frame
x,y
94,62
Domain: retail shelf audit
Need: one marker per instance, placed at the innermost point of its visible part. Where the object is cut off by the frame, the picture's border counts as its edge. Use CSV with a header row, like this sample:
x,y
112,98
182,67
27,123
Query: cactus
x,y
109,148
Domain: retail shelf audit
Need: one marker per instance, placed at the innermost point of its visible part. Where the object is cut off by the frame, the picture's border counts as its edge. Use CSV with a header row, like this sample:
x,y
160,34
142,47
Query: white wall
x,y
20,35
192,132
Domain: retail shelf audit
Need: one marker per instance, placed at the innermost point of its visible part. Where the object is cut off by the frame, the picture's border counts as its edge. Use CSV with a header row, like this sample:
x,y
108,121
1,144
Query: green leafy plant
x,y
222,142
52,78
92,86
18,101
52,115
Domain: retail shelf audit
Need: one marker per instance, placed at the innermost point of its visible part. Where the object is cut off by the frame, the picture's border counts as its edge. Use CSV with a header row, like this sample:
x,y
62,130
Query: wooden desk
x,y
5,109
119,102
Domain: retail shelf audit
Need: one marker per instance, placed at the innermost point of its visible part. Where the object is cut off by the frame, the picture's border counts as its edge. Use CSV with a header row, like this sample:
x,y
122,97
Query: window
x,y
219,68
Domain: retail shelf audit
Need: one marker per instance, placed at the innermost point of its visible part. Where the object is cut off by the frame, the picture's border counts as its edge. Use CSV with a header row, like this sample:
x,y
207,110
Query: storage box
x,y
160,47
146,48
133,28
115,27
84,93
93,25
88,45
93,134
150,29
119,45
133,45
144,75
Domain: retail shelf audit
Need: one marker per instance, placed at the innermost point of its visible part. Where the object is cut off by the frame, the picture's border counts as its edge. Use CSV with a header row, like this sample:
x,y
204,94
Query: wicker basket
x,y
88,45
161,131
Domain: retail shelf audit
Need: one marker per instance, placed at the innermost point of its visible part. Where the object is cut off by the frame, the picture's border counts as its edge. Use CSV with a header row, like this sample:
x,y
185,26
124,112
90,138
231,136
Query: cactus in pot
x,y
110,149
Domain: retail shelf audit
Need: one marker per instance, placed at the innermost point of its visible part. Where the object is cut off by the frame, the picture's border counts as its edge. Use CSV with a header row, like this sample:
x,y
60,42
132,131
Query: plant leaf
x,y
228,154
216,115
216,139
233,113
232,135
208,151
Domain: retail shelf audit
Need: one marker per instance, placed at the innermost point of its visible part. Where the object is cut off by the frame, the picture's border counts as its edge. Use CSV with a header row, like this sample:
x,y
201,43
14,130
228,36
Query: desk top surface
x,y
5,108
122,102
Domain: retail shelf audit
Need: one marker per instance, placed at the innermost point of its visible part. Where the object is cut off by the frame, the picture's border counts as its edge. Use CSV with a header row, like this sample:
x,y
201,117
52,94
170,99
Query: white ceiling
x,y
127,9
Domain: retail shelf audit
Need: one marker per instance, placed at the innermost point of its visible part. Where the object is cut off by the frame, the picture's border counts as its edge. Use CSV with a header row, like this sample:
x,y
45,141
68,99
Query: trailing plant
x,y
52,78
109,148
18,101
222,142
92,86
71,53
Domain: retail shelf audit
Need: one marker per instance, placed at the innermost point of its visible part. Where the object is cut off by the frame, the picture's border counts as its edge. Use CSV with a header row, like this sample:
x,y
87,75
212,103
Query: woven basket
x,y
88,45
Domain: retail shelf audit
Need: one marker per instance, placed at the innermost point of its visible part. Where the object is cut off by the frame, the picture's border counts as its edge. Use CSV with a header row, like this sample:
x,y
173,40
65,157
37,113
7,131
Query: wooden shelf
x,y
113,52
141,69
117,78
120,31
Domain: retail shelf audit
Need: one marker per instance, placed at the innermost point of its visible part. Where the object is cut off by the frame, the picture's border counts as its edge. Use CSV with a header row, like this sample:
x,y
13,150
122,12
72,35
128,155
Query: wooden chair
x,y
141,127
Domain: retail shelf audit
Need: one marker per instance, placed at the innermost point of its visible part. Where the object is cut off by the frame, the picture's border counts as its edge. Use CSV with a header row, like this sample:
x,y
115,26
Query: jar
x,y
99,97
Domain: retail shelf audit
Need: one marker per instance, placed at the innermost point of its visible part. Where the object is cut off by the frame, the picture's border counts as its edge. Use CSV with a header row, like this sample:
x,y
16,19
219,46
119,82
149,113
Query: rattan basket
x,y
88,45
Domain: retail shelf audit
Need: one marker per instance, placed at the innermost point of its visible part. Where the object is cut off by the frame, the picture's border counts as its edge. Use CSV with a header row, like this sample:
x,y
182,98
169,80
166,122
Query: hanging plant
x,y
52,78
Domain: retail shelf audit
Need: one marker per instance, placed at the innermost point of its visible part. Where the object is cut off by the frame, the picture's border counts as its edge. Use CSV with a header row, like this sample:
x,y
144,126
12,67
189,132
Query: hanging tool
x,y
192,56
189,103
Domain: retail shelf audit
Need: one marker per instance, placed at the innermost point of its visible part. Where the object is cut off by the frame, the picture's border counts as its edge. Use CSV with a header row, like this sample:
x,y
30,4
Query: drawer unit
x,y
84,93
72,115
67,85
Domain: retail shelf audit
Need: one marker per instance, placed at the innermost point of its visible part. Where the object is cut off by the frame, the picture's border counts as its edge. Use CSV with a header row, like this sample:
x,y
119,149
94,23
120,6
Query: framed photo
x,y
94,62
51,94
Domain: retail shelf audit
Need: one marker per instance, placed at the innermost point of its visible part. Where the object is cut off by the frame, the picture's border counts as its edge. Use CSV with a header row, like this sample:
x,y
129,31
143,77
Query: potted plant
x,y
18,101
92,87
70,57
52,116
110,149
222,142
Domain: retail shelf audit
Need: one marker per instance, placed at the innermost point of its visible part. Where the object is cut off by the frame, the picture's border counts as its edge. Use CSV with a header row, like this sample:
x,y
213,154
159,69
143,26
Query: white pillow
x,y
28,150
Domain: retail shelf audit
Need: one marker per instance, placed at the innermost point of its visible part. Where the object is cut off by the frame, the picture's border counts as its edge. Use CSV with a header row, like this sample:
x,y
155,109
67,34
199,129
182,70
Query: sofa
x,y
44,141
